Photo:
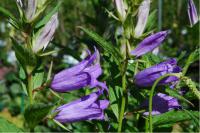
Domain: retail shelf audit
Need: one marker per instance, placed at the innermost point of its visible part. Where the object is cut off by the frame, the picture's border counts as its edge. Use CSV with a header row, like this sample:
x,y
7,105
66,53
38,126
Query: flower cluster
x,y
82,75
161,102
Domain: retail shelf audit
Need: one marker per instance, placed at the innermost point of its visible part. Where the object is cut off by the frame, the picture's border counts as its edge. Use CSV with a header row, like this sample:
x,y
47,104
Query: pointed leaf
x,y
108,47
35,113
49,15
194,56
7,126
26,57
7,13
152,19
172,117
38,78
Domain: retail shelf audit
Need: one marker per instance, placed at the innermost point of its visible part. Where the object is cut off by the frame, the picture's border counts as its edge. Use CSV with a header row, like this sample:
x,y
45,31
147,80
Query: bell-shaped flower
x,y
121,9
192,13
85,108
45,35
148,76
81,75
29,8
149,43
161,103
143,13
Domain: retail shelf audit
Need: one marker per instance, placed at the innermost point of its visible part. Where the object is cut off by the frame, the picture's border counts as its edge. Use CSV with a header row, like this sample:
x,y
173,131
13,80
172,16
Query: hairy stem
x,y
191,86
124,96
151,96
30,88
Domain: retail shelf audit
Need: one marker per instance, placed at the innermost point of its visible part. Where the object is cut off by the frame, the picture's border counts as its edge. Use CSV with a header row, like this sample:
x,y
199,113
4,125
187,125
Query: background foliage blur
x,y
71,42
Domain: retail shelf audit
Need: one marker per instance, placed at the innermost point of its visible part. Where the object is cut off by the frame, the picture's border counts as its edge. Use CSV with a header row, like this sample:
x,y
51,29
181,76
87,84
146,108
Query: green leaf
x,y
7,126
107,46
113,102
22,74
172,117
61,125
176,94
151,59
35,113
194,56
26,57
152,19
38,78
114,95
7,14
48,53
49,15
50,71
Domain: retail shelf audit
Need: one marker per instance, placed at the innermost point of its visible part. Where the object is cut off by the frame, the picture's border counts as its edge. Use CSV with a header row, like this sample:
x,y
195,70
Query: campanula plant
x,y
91,66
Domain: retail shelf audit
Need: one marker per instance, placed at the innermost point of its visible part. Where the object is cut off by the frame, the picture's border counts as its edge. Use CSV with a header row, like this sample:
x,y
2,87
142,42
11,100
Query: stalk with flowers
x,y
119,83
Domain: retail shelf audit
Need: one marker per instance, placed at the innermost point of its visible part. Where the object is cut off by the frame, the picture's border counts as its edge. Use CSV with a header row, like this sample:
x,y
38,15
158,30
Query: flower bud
x,y
45,35
29,8
192,13
148,76
143,13
121,9
149,43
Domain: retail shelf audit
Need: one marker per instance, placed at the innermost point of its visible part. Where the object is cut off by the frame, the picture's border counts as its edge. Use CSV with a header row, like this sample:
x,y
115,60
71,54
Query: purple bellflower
x,y
45,35
161,103
85,108
148,76
149,43
192,13
81,75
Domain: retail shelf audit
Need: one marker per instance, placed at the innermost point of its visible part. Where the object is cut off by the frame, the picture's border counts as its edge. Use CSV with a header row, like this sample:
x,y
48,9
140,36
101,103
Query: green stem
x,y
30,88
124,95
151,96
146,125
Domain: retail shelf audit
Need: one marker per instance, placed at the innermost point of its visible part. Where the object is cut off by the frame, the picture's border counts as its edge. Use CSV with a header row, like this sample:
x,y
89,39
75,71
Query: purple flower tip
x,y
148,76
149,43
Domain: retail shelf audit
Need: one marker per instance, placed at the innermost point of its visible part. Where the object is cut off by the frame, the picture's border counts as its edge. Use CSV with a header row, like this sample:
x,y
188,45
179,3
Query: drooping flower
x,y
86,108
45,35
29,7
161,103
143,13
148,76
121,9
192,13
149,43
81,75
